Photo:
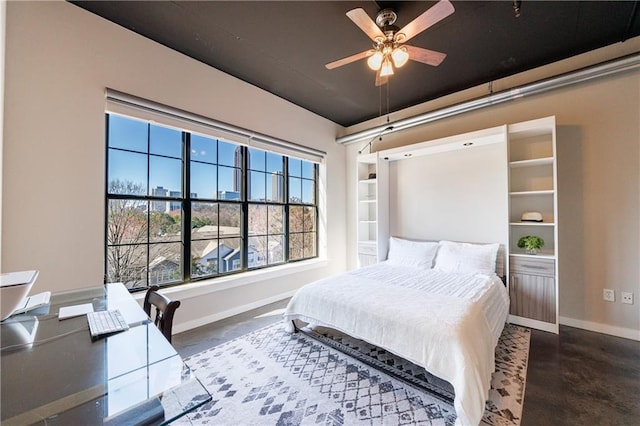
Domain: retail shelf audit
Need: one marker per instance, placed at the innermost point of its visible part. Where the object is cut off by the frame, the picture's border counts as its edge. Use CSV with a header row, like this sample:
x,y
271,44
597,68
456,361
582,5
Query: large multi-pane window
x,y
183,206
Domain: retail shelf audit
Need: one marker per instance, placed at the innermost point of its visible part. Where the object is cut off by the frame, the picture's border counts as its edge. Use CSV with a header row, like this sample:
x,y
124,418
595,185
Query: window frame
x,y
186,273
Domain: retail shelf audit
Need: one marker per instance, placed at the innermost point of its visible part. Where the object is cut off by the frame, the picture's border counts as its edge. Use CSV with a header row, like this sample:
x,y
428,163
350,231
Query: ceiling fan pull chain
x,y
388,84
380,101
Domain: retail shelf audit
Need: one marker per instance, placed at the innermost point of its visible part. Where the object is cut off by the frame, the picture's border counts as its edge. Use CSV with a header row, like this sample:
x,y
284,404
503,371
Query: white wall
x,y
60,59
421,205
3,21
598,143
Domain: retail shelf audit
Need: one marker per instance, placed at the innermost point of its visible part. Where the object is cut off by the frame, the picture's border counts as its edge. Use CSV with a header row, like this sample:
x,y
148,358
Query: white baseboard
x,y
531,323
627,333
188,325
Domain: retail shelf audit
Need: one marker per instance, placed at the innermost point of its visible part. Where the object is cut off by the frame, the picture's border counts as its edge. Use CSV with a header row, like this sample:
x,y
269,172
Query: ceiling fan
x,y
389,50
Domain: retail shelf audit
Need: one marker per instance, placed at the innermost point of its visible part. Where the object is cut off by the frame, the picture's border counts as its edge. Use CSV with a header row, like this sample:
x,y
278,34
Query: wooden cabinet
x,y
532,288
533,279
373,206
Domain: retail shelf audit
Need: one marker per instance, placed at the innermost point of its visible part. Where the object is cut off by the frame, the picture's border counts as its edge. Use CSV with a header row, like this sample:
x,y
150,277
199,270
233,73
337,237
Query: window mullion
x,y
186,207
245,209
286,209
315,205
147,196
217,198
107,202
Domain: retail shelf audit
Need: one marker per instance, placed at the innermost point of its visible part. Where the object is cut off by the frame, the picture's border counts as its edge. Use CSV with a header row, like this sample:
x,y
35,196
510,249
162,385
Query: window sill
x,y
201,288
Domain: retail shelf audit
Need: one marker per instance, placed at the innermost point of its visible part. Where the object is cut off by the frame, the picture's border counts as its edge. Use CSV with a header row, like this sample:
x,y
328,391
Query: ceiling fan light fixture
x,y
375,61
388,52
386,68
399,56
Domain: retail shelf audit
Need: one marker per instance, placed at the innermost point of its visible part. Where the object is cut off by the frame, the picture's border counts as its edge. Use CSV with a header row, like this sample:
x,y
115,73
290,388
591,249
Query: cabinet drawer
x,y
544,267
367,249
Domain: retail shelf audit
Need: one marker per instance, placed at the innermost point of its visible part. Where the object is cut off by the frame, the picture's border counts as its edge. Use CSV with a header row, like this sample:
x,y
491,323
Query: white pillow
x,y
466,258
418,254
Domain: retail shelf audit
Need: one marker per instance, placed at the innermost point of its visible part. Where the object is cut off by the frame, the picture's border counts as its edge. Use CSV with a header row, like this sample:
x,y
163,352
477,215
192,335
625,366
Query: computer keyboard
x,y
106,322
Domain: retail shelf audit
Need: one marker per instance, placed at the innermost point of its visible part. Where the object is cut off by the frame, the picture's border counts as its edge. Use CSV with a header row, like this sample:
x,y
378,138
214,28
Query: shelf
x,y
532,224
540,255
531,163
533,187
371,191
525,193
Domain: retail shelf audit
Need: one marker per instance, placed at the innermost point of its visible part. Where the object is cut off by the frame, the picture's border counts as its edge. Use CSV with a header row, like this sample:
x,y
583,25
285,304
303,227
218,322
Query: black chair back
x,y
164,308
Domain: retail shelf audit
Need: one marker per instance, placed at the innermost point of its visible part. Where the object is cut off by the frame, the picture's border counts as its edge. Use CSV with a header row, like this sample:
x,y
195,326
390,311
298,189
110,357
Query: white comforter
x,y
447,323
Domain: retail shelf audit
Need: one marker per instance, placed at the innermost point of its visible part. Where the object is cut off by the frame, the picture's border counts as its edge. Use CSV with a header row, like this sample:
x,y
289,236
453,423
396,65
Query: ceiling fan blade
x,y
348,59
380,80
366,24
435,14
429,57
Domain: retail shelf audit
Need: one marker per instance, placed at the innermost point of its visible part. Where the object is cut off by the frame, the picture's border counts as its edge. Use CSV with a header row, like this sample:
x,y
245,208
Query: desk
x,y
53,373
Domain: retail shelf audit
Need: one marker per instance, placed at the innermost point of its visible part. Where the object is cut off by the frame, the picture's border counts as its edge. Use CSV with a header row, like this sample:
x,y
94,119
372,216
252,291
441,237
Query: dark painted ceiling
x,y
282,46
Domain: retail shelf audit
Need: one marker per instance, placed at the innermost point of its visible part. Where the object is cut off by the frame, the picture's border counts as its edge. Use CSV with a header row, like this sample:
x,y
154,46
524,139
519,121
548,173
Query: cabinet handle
x,y
533,266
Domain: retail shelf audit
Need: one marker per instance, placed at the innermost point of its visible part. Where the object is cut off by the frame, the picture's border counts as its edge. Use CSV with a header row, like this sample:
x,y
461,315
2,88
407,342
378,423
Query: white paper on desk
x,y
74,311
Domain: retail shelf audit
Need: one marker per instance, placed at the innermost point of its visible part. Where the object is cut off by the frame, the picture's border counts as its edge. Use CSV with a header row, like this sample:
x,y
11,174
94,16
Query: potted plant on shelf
x,y
531,243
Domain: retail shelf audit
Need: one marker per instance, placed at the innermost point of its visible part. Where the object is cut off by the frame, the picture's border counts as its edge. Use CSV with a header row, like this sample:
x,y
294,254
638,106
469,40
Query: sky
x,y
132,143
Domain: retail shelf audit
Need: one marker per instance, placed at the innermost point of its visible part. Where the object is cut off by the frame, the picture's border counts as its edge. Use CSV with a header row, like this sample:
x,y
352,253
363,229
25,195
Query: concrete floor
x,y
576,378
202,338
582,378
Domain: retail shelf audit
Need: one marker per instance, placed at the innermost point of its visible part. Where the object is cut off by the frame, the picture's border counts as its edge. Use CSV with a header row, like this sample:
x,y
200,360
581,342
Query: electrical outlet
x,y
609,295
627,298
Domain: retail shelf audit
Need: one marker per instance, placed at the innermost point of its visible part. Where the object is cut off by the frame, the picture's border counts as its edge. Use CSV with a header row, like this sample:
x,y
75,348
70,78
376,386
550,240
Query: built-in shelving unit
x,y
533,278
373,218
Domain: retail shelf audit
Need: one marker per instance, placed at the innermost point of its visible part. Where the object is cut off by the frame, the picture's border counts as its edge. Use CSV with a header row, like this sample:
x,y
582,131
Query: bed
x,y
440,305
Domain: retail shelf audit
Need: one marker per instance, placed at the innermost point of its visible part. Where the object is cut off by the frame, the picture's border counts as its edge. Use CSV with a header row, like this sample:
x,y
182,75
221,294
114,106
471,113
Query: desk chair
x,y
165,308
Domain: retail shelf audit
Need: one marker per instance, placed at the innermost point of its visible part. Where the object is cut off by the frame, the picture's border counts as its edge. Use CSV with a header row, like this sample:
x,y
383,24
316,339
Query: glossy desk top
x,y
53,373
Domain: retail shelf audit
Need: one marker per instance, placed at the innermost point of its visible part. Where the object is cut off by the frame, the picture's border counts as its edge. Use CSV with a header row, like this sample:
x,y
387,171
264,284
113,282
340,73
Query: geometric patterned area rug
x,y
271,377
